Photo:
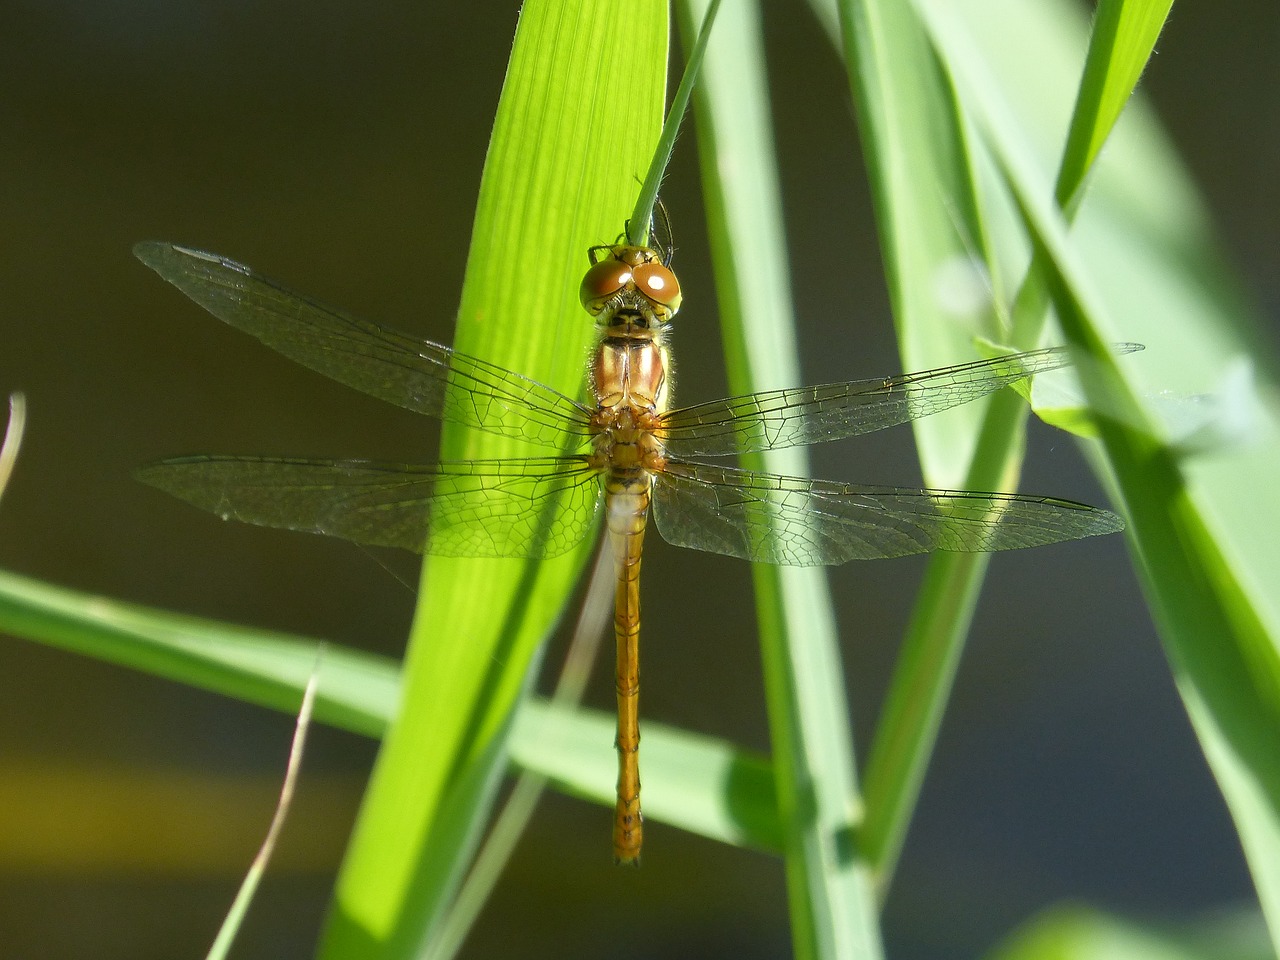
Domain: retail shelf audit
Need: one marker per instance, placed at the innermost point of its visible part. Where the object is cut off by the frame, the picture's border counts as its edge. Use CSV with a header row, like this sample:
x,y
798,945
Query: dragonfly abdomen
x,y
627,514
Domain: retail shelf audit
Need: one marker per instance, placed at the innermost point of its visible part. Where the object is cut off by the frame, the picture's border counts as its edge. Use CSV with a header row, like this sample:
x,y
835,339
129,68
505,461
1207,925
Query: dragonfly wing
x,y
775,419
539,507
418,375
803,523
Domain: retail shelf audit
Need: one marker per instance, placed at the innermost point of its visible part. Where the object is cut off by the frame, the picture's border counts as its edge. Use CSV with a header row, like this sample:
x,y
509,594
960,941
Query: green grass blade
x,y
833,911
918,139
1124,34
642,216
1195,525
356,691
698,783
1120,44
948,595
559,177
1080,933
1202,579
927,216
925,191
595,613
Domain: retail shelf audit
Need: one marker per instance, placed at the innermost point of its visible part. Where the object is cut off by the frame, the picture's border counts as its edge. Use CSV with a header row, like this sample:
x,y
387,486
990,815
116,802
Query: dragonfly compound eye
x,y
659,284
602,281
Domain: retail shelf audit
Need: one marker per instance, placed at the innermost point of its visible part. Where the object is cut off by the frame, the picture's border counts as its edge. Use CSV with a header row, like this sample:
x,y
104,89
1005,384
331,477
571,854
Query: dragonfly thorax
x,y
626,444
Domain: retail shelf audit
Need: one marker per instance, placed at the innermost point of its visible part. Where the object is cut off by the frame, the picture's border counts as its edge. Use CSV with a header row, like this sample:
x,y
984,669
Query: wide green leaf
x,y
559,177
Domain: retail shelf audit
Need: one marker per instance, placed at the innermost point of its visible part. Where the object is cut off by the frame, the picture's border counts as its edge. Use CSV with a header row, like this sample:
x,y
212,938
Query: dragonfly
x,y
624,454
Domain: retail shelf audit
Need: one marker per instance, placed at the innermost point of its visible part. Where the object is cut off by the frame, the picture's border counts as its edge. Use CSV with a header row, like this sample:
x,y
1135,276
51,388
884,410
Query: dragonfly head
x,y
629,285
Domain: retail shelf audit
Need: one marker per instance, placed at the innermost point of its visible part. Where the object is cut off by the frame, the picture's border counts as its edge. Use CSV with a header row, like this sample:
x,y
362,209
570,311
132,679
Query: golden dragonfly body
x,y
631,455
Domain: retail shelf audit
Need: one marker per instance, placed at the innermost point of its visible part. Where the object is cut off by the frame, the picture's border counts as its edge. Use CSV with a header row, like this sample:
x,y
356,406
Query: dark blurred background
x,y
339,148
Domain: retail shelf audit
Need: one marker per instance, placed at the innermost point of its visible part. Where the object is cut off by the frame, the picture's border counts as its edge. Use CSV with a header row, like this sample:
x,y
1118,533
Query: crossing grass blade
x,y
701,784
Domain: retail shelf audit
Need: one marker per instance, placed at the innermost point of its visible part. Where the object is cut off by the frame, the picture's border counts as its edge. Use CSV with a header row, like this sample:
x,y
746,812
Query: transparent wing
x,y
786,418
804,523
540,507
410,373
